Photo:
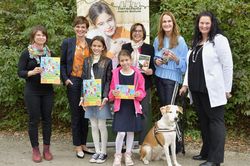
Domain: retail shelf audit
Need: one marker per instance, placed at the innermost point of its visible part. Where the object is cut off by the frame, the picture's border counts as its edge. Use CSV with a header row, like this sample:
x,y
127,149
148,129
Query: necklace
x,y
195,54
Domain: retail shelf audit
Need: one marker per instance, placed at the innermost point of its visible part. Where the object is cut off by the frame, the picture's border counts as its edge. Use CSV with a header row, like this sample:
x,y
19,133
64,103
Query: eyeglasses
x,y
137,31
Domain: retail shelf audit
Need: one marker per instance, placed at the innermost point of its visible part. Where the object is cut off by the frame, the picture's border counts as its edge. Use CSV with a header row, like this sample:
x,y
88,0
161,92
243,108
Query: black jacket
x,y
67,57
147,50
102,70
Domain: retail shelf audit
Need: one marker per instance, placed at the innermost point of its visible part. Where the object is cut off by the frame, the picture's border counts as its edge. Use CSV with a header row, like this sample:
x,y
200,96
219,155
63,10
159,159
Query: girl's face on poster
x,y
106,23
137,34
167,24
97,47
40,38
80,30
205,25
125,61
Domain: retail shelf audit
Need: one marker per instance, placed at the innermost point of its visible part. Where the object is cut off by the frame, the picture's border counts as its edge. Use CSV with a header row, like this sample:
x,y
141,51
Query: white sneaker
x,y
128,159
94,158
102,158
117,160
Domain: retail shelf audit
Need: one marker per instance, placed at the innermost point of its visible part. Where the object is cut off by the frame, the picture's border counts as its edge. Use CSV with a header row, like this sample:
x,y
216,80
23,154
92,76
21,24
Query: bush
x,y
17,17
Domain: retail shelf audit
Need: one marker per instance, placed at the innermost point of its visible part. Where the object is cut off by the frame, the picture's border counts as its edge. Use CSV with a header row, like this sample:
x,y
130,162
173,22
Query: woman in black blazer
x,y
137,47
73,52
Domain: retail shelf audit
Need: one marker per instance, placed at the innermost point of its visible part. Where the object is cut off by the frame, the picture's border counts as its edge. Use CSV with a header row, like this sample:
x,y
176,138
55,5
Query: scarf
x,y
135,54
35,53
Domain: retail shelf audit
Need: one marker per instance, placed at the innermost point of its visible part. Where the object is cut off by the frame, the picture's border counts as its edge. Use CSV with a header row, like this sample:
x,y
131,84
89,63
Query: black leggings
x,y
39,106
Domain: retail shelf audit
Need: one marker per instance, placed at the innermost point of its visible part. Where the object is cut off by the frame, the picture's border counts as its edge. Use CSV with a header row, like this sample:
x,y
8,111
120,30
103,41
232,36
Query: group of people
x,y
207,67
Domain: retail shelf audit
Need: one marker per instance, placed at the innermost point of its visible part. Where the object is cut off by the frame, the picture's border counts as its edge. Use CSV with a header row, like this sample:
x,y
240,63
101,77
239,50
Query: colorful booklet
x,y
51,70
126,91
144,61
92,92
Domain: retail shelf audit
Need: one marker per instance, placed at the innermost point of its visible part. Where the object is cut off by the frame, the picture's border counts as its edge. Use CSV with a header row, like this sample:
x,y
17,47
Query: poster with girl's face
x,y
112,20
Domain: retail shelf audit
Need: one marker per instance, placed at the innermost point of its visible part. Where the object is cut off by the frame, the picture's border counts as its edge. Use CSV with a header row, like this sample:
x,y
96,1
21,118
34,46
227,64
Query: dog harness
x,y
158,130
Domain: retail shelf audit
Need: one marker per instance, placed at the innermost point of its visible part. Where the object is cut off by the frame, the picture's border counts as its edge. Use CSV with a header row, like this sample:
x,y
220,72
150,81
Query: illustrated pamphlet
x,y
144,61
126,91
51,70
92,92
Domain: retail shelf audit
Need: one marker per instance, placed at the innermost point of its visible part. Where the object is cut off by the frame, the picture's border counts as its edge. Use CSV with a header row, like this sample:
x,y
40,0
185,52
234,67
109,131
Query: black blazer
x,y
67,57
147,50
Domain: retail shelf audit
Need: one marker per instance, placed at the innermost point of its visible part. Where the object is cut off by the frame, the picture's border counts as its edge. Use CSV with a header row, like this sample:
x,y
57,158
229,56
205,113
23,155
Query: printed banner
x,y
112,19
51,70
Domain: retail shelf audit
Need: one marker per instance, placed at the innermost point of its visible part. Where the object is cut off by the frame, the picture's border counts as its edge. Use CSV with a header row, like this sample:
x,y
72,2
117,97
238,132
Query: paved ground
x,y
15,151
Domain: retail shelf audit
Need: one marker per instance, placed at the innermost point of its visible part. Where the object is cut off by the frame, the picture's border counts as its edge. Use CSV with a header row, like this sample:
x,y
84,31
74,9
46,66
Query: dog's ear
x,y
180,109
163,109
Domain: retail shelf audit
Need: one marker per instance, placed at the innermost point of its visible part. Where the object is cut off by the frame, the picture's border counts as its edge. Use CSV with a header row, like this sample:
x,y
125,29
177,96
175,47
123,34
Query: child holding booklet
x,y
98,66
127,113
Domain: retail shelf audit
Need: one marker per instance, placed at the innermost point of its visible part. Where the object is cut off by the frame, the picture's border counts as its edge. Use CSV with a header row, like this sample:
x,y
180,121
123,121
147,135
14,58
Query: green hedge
x,y
17,17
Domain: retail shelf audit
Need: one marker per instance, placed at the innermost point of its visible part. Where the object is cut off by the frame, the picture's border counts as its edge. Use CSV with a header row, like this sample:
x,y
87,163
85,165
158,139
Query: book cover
x,y
51,70
92,92
143,62
126,91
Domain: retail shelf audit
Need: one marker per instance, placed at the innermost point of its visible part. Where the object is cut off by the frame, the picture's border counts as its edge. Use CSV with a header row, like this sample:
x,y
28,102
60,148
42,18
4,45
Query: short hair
x,y
80,20
37,28
100,39
98,8
133,27
124,52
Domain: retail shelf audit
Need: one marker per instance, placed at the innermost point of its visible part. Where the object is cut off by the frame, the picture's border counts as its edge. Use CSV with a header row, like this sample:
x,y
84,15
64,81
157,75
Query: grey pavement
x,y
15,150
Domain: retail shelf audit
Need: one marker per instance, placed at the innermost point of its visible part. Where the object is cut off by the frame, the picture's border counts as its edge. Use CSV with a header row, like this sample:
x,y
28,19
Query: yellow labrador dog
x,y
161,136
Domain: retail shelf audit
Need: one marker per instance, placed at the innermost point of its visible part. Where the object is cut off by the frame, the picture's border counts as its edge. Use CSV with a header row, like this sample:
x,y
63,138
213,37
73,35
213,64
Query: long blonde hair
x,y
174,34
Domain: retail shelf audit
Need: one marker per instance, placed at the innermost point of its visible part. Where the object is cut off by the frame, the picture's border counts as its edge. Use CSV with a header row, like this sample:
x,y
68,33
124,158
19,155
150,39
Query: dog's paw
x,y
146,162
177,164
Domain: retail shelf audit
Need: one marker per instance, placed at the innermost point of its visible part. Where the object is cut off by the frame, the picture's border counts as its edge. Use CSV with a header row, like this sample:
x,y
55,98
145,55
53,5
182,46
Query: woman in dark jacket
x,y
74,51
38,97
136,48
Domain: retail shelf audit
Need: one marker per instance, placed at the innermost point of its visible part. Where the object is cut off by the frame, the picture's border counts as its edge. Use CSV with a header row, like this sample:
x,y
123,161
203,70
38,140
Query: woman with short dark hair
x,y
73,52
38,97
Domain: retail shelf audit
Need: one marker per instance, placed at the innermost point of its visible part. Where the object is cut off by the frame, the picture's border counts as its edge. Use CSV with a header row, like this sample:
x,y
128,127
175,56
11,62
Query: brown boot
x,y
46,153
36,155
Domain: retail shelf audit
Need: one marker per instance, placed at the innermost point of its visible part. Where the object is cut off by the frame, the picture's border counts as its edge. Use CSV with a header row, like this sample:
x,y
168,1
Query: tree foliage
x,y
18,16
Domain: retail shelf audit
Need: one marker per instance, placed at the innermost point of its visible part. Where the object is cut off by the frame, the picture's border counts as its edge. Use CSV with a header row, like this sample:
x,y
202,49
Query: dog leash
x,y
178,132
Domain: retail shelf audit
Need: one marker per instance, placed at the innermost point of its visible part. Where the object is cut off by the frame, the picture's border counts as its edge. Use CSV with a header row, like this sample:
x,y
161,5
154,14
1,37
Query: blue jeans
x,y
165,88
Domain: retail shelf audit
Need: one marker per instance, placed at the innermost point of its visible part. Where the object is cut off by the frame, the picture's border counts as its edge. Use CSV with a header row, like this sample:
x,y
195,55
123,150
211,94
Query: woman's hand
x,y
158,62
148,72
104,101
67,82
172,56
228,95
183,90
35,71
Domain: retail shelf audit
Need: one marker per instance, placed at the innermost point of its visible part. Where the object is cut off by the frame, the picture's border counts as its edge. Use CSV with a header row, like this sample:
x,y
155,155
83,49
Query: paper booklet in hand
x,y
125,91
92,92
143,62
51,70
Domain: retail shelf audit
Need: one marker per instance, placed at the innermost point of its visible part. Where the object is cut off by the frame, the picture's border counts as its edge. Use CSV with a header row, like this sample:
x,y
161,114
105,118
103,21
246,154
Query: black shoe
x,y
88,151
209,164
199,157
